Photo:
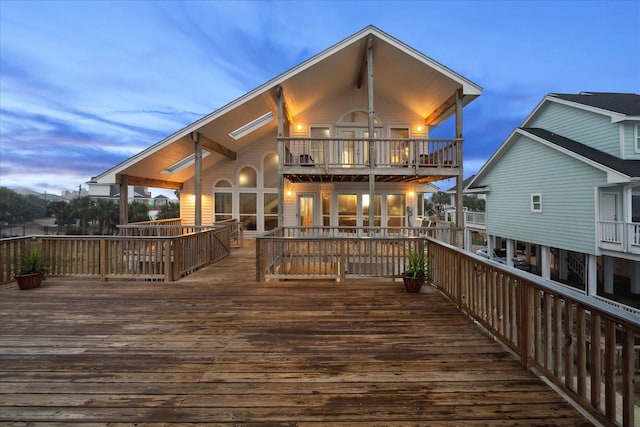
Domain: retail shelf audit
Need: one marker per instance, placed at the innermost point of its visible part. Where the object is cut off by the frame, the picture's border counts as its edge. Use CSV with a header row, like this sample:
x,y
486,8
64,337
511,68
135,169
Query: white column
x,y
592,274
545,262
510,252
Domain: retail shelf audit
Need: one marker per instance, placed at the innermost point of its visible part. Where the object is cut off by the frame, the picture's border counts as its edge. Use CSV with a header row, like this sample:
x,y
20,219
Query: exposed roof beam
x,y
150,182
363,65
450,102
287,112
211,145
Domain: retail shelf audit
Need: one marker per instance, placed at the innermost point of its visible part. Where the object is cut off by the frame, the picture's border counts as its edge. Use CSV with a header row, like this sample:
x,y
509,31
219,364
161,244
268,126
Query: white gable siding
x,y
567,187
594,130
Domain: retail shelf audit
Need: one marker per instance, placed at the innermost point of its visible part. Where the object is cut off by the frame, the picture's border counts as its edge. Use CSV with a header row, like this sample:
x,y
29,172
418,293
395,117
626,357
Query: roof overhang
x,y
402,75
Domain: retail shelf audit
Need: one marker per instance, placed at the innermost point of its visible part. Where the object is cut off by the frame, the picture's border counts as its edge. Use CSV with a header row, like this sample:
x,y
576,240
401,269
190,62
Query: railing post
x,y
168,273
104,260
259,260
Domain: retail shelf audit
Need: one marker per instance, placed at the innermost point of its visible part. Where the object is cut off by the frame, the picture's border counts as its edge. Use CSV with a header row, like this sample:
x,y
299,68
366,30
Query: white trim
x,y
253,125
533,203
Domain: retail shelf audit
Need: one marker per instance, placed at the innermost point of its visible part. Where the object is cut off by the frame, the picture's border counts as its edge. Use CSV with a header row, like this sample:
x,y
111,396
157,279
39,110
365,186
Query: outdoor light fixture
x,y
419,128
299,127
251,126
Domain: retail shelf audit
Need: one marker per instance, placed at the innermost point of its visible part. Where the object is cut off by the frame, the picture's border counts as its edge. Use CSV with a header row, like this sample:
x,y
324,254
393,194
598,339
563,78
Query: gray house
x,y
565,186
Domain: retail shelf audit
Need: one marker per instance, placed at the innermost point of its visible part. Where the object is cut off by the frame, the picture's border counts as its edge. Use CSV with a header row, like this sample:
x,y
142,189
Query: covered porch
x,y
219,348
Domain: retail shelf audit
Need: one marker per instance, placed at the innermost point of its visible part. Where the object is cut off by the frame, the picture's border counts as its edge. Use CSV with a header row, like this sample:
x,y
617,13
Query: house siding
x,y
592,129
629,135
567,187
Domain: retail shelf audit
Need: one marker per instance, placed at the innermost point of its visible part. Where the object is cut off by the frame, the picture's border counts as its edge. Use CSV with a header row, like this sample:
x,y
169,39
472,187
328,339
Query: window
x,y
223,201
270,171
398,150
247,178
637,138
536,202
270,211
316,148
248,211
326,209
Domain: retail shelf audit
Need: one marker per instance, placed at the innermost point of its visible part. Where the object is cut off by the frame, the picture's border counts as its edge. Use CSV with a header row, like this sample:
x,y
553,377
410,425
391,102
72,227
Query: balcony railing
x,y
475,220
353,154
619,236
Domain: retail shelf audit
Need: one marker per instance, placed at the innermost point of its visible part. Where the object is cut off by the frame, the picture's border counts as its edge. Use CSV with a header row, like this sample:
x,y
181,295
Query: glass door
x,y
306,210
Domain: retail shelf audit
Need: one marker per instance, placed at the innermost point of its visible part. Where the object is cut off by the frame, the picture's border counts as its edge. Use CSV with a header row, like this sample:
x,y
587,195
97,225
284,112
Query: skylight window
x,y
251,126
181,164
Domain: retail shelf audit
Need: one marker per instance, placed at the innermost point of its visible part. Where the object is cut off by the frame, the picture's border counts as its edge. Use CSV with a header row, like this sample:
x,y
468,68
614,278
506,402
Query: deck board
x,y
218,348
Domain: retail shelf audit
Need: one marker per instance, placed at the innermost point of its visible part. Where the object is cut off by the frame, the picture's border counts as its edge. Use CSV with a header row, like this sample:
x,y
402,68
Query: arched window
x,y
270,171
247,178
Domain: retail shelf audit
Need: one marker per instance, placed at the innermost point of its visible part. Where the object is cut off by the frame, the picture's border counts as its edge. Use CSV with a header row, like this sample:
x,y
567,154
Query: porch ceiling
x,y
402,76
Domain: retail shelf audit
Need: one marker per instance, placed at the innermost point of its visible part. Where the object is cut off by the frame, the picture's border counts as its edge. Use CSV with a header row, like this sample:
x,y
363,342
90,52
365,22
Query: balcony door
x,y
353,150
307,210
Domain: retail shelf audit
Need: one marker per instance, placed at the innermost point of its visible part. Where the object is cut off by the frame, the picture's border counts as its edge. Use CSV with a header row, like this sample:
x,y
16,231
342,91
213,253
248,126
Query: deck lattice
x,y
220,349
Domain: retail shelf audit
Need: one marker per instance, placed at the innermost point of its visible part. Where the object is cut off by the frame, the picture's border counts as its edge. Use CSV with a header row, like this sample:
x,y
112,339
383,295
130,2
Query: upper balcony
x,y
619,236
395,160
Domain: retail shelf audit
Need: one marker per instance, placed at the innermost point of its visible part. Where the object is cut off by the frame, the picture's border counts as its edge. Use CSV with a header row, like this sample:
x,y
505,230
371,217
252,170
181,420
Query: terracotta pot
x,y
413,285
29,281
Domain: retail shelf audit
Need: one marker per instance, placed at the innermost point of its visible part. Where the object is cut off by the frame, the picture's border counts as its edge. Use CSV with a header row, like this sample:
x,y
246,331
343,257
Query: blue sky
x,y
86,85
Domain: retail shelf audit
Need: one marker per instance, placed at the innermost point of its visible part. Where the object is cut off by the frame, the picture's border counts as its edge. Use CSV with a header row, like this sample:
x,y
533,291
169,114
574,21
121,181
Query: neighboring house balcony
x,y
475,220
619,236
395,160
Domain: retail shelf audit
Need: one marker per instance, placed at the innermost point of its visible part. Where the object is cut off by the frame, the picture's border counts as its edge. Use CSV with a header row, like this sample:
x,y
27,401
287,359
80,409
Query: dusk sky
x,y
86,85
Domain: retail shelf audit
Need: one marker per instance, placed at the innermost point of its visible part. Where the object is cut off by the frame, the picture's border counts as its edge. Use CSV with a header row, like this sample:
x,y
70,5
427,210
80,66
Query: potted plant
x,y
416,272
31,270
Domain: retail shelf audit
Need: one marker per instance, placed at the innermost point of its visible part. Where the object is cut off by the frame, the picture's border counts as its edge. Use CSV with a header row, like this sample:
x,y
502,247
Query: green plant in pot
x,y
416,273
31,270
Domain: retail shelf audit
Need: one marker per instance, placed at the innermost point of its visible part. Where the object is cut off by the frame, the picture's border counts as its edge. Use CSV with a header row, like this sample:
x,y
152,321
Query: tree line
x,y
79,214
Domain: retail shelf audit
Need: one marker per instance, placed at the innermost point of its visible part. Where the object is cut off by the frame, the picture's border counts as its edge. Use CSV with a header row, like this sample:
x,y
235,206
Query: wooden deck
x,y
219,349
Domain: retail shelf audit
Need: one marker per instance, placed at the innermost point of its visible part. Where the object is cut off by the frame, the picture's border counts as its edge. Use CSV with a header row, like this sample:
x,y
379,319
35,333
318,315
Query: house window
x,y
248,211
270,171
270,211
399,150
316,148
637,138
223,200
326,209
536,202
247,178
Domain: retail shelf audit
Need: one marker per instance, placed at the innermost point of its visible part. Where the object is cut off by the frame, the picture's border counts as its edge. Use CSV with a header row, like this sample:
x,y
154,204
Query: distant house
x,y
566,185
341,139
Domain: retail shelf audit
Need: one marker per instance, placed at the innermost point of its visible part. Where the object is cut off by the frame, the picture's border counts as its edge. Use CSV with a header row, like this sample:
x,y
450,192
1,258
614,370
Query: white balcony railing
x,y
619,236
475,220
354,153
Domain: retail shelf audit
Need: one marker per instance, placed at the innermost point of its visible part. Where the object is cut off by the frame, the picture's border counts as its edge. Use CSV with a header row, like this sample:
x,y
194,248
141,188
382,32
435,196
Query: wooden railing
x,y
582,345
354,153
10,251
174,227
340,252
163,258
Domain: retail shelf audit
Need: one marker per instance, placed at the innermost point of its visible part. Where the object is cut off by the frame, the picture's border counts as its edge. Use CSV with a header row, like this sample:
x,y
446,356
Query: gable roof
x,y
631,168
617,106
402,74
623,103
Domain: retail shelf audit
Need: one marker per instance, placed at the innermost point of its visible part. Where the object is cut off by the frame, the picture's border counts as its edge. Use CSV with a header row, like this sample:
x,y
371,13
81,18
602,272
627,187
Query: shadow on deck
x,y
218,348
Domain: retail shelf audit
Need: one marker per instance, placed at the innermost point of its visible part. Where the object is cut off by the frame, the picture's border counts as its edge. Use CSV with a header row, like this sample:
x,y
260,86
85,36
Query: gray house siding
x,y
630,151
594,130
568,194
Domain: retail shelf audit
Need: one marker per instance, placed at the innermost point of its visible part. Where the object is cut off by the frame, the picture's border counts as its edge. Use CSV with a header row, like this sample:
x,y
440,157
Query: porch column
x,y
124,200
280,158
197,180
592,274
545,262
460,177
372,152
510,252
607,273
